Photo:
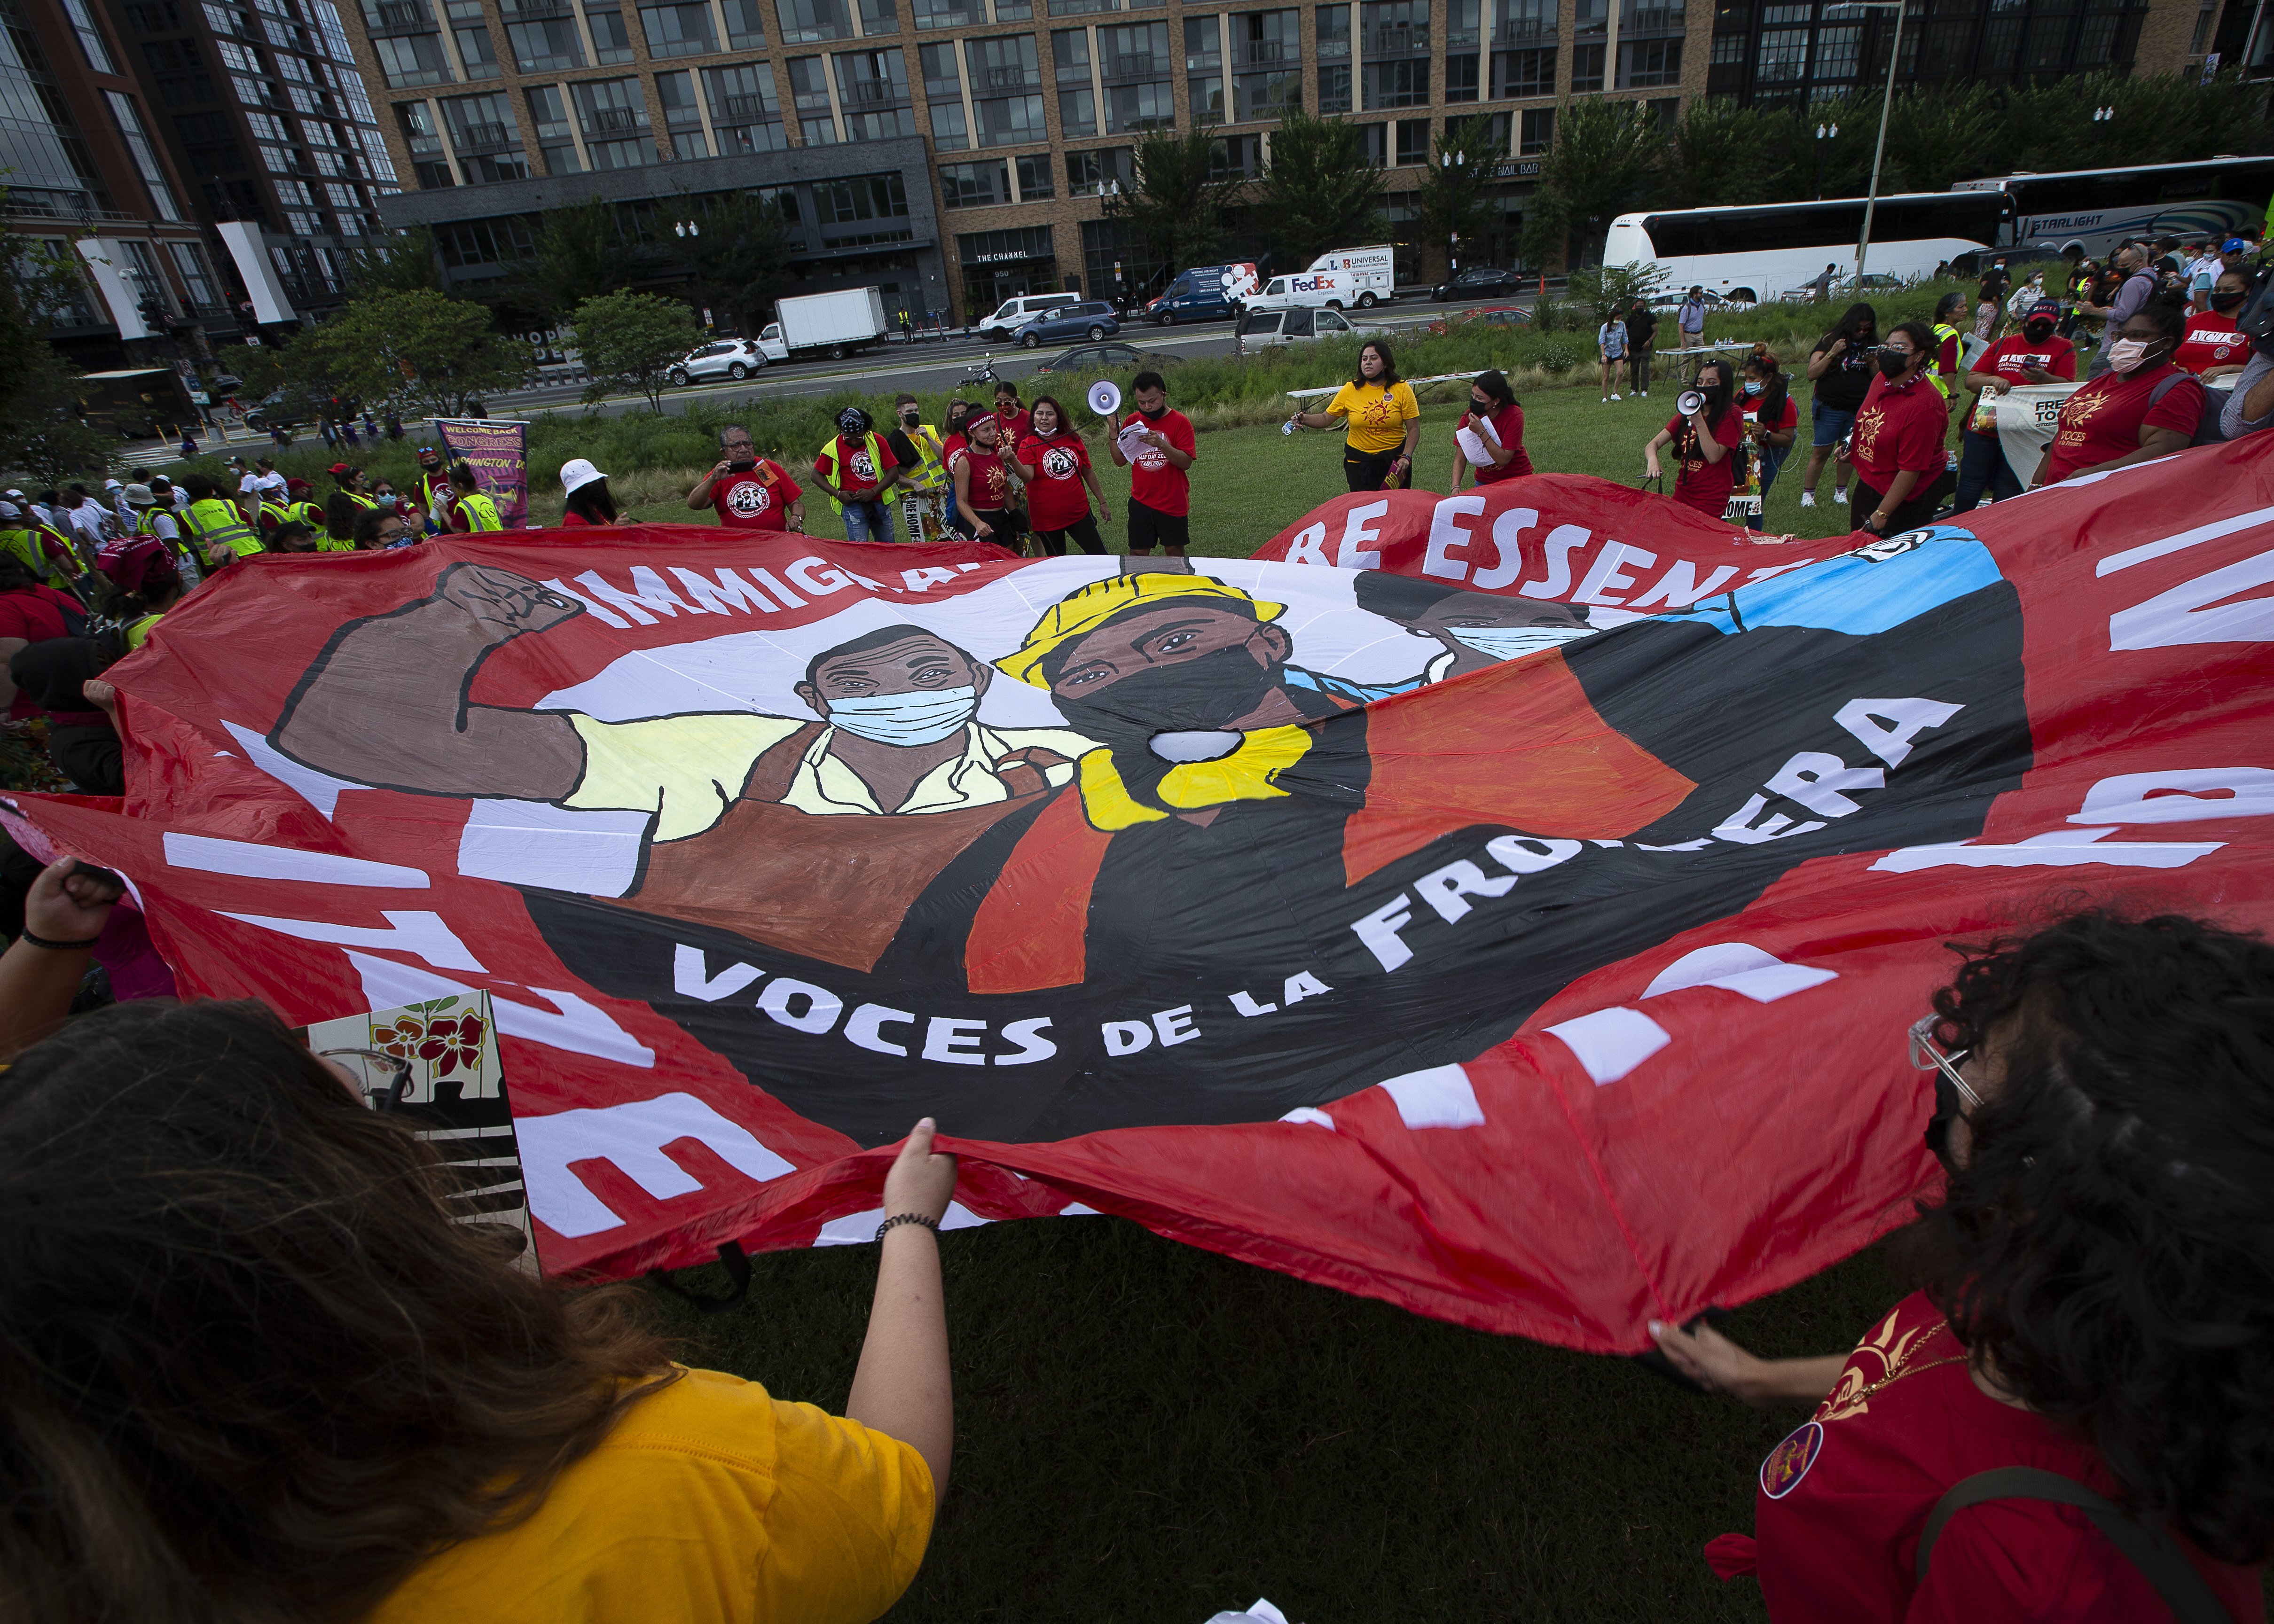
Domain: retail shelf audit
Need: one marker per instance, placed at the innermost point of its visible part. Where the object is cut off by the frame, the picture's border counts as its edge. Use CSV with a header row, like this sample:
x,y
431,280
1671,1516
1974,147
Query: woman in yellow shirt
x,y
256,1370
1382,422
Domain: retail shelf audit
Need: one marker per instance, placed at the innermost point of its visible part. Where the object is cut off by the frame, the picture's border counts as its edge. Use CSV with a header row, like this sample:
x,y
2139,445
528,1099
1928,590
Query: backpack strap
x,y
2160,1562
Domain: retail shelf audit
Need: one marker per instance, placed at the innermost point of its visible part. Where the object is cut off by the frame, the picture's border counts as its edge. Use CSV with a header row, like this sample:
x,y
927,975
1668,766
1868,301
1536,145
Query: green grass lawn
x,y
1149,1434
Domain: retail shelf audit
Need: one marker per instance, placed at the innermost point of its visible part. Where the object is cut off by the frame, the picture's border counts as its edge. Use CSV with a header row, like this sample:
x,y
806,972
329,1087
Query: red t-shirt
x,y
850,458
990,481
1791,418
1898,431
1153,479
1697,483
1013,426
2008,357
1843,1500
35,613
1055,496
1508,425
2102,421
759,499
2211,341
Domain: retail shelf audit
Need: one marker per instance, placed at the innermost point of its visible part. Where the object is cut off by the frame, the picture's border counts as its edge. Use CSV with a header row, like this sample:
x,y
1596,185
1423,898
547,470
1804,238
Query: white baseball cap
x,y
8,511
577,472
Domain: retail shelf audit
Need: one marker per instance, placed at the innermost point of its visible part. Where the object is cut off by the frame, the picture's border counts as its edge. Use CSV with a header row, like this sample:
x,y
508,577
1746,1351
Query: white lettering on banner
x,y
1313,1115
1508,537
1609,1044
1778,569
319,790
691,977
820,577
2062,848
730,594
2212,531
1448,890
1300,986
1379,931
1679,587
1357,530
923,580
422,935
648,592
1246,1005
1815,779
606,617
2177,795
1743,827
821,1010
630,1137
1610,570
1176,1026
1911,716
572,1025
864,1029
1530,853
1557,550
1126,1037
1738,967
1447,533
1309,546
2186,614
1033,1046
951,1040
249,859
764,577
1441,1097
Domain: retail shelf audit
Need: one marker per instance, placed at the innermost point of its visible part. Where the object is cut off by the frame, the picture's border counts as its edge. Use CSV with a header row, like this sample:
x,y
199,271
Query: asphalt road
x,y
927,366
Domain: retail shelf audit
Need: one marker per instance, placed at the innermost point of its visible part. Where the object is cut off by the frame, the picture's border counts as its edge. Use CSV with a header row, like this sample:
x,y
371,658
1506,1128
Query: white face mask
x,y
2126,354
905,718
1507,643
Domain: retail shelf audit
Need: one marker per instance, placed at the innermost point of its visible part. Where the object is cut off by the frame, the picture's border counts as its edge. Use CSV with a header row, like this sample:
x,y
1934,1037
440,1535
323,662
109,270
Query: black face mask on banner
x,y
1205,694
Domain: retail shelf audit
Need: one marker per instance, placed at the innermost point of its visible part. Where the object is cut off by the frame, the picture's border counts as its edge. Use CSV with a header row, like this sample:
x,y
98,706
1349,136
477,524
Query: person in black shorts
x,y
1163,450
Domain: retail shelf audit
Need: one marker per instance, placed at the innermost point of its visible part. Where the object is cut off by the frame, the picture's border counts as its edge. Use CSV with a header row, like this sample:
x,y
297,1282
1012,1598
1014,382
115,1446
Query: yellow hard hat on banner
x,y
1084,612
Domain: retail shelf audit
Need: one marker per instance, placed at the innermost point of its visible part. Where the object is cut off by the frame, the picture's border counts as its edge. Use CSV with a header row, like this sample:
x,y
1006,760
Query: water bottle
x,y
1287,428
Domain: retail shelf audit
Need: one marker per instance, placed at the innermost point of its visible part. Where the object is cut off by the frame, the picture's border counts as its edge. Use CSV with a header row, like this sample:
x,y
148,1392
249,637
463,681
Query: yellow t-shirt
x,y
1376,416
710,1503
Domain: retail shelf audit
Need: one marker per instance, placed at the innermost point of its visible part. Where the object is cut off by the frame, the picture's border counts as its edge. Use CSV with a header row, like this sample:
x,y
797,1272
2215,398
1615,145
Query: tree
x,y
1320,191
1456,200
631,340
1940,136
428,354
1725,155
741,251
1611,289
406,263
40,435
1176,205
580,254
1606,158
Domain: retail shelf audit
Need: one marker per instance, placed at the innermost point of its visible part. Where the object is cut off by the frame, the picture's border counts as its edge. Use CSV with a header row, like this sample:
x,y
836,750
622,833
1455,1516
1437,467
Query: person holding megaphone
x,y
1707,427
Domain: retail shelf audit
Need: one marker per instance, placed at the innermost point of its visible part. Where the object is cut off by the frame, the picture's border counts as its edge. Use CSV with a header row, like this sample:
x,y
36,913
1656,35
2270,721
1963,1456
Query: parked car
x,y
1299,324
1092,318
727,358
1014,313
1489,315
1107,359
1669,302
1481,281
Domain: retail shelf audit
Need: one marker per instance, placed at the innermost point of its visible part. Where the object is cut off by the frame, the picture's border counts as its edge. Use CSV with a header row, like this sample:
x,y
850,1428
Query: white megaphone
x,y
1105,397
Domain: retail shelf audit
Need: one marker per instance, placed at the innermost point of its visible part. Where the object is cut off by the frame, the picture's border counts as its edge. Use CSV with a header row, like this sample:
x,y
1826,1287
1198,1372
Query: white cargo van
x,y
1304,290
1013,314
1371,273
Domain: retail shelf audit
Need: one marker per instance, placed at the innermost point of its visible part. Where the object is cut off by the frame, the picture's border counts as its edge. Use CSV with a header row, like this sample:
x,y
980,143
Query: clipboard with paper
x,y
1478,440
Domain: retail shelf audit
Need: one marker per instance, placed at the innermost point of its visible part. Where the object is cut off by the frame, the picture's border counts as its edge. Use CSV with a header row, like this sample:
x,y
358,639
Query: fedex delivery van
x,y
1303,289
1371,273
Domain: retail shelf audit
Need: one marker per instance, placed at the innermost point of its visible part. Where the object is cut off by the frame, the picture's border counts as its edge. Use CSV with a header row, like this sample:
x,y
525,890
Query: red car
x,y
1491,315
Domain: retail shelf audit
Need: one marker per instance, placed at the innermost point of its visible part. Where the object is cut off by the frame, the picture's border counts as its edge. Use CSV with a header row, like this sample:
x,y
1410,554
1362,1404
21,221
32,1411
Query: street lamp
x,y
688,231
1886,106
2102,115
1824,134
1451,161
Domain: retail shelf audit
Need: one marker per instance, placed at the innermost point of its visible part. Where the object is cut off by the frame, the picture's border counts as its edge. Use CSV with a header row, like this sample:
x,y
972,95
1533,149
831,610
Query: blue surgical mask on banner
x,y
905,718
1513,642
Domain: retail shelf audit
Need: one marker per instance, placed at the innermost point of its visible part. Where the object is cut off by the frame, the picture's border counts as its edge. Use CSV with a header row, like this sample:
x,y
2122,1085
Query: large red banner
x,y
1510,905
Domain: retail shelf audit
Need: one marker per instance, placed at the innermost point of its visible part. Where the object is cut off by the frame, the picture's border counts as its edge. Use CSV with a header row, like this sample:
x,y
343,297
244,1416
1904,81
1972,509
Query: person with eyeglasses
x,y
1901,470
2069,1420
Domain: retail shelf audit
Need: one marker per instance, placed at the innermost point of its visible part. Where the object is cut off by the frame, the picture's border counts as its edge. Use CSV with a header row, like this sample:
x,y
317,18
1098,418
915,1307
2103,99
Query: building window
x,y
1587,67
1413,141
689,143
612,42
1460,79
432,170
1086,172
950,132
407,60
1395,27
1204,46
1649,61
1524,73
678,30
1034,177
1077,114
1335,88
1010,121
608,108
1837,50
746,25
808,88
676,92
1334,23
1537,132
1000,64
546,46
477,53
949,14
1398,84
975,186
1236,155
197,275
1783,56
90,39
879,17
548,116
129,120
810,22
1133,108
1373,142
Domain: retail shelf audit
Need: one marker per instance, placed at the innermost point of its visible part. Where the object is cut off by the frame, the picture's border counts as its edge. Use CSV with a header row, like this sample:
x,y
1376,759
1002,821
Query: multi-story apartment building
x,y
957,151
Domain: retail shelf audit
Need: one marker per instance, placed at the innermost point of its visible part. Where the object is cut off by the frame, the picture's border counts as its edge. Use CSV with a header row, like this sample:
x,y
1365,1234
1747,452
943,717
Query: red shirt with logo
x,y
1697,483
1013,426
1153,479
1791,418
1055,496
759,499
35,613
2010,357
1843,1500
854,472
2102,421
1507,428
991,481
2211,341
1898,431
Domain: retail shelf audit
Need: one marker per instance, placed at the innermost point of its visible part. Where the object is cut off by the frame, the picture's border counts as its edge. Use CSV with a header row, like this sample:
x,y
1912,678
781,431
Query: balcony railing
x,y
1264,53
755,105
1014,77
1334,48
1529,34
870,93
392,16
615,120
483,137
1398,43
1135,66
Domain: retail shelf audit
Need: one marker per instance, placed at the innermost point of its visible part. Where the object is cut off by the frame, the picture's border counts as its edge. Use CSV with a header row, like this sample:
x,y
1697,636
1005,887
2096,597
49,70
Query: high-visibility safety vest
x,y
28,548
328,544
876,463
1944,332
929,473
481,512
138,633
216,523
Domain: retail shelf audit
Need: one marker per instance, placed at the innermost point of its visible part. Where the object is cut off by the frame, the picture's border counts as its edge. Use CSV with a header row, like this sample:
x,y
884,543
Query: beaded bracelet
x,y
929,1224
57,947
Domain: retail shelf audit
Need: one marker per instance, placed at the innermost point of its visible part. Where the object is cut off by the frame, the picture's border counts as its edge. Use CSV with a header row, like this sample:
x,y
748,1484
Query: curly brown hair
x,y
250,1369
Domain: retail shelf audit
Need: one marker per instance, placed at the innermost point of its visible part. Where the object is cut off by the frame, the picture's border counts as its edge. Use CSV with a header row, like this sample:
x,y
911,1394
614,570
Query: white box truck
x,y
1371,273
1306,290
827,324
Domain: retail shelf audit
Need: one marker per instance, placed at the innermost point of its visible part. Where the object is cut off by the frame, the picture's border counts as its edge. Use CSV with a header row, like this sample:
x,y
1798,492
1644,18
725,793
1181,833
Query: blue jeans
x,y
1982,466
867,522
1771,459
1830,423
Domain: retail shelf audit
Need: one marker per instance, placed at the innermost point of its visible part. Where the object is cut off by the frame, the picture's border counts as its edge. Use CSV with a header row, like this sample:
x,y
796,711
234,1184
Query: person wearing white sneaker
x,y
1611,349
1841,369
1808,499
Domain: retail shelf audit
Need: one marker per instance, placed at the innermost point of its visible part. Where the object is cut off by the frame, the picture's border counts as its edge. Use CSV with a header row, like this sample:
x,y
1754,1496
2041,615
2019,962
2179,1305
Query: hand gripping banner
x,y
1510,905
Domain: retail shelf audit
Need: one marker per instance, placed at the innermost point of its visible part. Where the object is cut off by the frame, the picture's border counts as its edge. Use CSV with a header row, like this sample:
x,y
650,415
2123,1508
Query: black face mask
x,y
2226,301
2038,331
1894,365
1946,1104
1483,409
1154,416
1205,694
